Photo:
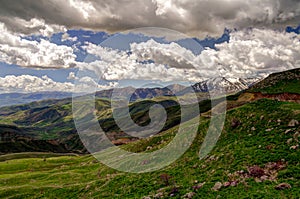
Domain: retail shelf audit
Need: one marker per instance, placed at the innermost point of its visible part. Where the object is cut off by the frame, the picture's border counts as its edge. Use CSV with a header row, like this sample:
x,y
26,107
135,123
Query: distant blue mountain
x,y
8,99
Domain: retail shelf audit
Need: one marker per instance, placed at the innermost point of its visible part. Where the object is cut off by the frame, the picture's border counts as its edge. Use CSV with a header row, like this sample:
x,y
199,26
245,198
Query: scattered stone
x,y
212,158
283,186
174,191
293,123
279,120
279,165
189,195
235,123
296,136
198,186
289,141
146,197
253,128
264,178
149,148
159,195
256,171
226,184
165,178
262,117
294,147
234,183
287,131
217,186
269,130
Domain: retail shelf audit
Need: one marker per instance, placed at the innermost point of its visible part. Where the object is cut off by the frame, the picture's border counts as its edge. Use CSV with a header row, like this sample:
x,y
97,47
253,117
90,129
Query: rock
x,y
189,195
198,186
217,186
279,120
269,130
293,123
212,158
234,183
264,178
253,129
149,148
287,131
262,117
269,147
146,197
174,191
294,147
226,184
235,123
283,186
159,195
256,171
296,136
289,141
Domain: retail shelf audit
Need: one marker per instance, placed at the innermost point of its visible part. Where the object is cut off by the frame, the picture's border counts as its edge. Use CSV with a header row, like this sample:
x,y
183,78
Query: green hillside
x,y
49,127
284,82
256,152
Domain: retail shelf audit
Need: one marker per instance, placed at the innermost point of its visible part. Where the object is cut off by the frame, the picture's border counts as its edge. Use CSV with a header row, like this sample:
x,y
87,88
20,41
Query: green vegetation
x,y
257,133
285,82
256,156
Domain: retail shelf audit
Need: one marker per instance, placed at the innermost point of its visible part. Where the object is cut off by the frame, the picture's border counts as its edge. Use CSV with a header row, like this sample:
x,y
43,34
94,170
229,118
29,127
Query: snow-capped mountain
x,y
224,85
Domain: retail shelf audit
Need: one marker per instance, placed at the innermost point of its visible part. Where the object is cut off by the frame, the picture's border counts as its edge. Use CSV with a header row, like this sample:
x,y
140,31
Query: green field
x,y
255,134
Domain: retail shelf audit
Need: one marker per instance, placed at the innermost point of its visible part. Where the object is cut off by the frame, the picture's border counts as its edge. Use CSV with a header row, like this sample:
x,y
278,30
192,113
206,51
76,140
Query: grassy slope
x,y
238,148
284,82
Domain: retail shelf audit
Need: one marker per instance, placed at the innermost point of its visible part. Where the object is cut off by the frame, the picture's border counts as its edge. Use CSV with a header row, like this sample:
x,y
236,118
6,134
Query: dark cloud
x,y
198,18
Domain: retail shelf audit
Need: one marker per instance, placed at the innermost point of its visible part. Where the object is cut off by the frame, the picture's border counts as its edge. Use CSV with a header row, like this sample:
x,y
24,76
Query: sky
x,y
81,45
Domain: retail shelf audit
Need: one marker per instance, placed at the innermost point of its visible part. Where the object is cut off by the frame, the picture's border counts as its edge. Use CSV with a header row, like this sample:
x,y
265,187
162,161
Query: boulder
x,y
293,123
217,186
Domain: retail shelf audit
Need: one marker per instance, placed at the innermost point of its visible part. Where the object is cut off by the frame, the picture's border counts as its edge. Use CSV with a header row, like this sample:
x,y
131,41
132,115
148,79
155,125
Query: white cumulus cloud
x,y
250,53
28,83
26,53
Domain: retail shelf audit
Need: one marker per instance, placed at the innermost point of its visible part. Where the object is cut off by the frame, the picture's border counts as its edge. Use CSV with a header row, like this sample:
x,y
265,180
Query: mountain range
x,y
227,85
8,99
